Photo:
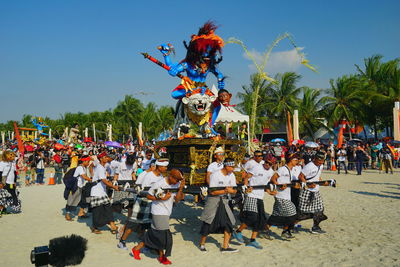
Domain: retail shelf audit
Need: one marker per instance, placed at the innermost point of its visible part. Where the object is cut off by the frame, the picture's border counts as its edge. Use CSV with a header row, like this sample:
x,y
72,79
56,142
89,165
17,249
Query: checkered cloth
x,y
122,197
250,204
5,198
141,211
6,201
98,201
310,202
283,207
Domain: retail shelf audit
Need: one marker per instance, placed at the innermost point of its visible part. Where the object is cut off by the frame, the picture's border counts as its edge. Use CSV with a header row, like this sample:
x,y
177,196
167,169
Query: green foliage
x,y
365,98
124,118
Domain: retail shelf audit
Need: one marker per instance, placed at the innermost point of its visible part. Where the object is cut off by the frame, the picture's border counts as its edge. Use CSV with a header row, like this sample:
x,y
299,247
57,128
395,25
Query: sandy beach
x,y
362,230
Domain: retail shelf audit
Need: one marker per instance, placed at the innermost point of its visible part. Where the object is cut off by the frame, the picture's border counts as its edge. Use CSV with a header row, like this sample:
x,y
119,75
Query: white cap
x,y
219,150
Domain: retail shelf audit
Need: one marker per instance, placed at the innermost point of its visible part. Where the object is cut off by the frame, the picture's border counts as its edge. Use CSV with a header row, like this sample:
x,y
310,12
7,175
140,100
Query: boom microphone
x,y
62,251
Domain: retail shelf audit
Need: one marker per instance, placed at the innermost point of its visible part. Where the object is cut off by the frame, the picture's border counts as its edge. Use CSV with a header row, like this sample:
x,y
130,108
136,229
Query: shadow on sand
x,y
375,194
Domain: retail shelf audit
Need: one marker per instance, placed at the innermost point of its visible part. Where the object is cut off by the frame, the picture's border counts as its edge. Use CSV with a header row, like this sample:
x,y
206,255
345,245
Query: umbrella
x,y
278,140
312,144
112,144
355,140
58,146
298,141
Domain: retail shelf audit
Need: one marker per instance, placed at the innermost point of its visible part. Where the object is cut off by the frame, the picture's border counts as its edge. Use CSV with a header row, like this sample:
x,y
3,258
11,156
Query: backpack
x,y
70,182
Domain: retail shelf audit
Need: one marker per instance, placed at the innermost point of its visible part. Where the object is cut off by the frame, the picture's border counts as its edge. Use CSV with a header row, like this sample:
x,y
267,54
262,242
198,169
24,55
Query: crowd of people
x,y
97,179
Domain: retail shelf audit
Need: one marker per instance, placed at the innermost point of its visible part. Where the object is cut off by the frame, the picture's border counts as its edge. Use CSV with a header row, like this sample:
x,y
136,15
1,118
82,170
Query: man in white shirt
x,y
341,156
100,203
159,236
217,202
141,216
253,213
311,204
218,164
75,194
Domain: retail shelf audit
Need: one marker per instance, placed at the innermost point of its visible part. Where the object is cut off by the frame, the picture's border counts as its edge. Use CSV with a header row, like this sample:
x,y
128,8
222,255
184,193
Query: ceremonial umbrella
x,y
278,140
112,144
312,144
298,141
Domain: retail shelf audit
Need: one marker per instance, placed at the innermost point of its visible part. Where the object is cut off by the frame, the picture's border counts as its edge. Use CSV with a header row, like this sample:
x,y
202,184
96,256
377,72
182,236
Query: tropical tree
x,y
129,113
311,115
260,85
282,96
345,99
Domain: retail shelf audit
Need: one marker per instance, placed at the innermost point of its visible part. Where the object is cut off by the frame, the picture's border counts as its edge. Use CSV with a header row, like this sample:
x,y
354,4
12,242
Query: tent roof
x,y
230,114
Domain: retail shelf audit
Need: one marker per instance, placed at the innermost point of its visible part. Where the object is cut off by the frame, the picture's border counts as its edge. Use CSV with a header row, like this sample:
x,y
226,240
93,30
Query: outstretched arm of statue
x,y
220,77
176,69
166,50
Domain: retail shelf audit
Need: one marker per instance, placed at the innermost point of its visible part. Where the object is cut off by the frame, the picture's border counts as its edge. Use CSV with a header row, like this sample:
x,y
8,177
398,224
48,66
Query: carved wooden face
x,y
224,98
199,104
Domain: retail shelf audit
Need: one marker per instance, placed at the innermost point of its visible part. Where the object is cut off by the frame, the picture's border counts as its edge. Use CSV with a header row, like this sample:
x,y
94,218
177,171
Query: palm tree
x,y
165,118
249,97
149,119
345,99
383,89
311,117
282,96
128,112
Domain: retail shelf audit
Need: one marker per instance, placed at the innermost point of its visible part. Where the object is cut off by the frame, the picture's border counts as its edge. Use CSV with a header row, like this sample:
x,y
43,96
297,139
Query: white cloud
x,y
282,61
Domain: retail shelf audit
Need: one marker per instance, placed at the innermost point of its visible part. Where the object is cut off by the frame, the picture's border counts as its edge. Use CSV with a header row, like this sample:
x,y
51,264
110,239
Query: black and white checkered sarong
x,y
141,211
310,202
283,207
5,198
250,204
98,201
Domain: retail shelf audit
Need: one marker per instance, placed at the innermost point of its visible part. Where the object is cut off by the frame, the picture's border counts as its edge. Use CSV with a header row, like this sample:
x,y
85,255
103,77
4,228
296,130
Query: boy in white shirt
x,y
253,214
159,236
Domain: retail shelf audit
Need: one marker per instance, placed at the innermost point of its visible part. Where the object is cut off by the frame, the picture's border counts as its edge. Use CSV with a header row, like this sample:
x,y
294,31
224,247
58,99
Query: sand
x,y
363,229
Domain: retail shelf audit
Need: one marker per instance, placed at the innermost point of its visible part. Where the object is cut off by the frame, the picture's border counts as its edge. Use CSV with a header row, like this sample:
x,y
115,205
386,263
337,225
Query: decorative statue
x,y
195,99
39,124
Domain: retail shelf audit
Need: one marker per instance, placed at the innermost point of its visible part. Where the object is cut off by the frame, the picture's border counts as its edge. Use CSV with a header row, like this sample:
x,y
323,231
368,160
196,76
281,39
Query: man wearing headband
x,y
256,162
219,155
141,217
217,216
75,198
311,204
253,212
284,211
100,203
159,237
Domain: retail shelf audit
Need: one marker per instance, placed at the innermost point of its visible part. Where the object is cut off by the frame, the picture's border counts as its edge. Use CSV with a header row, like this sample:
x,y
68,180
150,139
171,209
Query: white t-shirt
x,y
8,169
78,173
217,179
140,178
113,167
284,178
150,178
215,166
296,170
99,190
252,164
260,176
342,155
312,173
125,171
162,207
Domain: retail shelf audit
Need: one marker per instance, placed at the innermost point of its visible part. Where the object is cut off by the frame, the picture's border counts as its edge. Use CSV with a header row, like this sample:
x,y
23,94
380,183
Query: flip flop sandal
x,y
95,231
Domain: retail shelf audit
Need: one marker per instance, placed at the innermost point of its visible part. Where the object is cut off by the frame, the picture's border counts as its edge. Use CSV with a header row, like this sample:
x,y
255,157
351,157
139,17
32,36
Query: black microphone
x,y
62,251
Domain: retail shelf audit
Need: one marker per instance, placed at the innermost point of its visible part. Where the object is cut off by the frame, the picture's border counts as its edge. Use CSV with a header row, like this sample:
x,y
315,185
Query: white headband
x,y
229,163
162,163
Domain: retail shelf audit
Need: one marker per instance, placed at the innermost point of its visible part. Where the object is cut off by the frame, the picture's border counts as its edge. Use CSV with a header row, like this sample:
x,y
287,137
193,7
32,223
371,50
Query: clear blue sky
x,y
70,56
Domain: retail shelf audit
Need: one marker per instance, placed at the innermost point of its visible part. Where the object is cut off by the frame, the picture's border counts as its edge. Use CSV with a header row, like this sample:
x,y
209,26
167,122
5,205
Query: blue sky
x,y
70,56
